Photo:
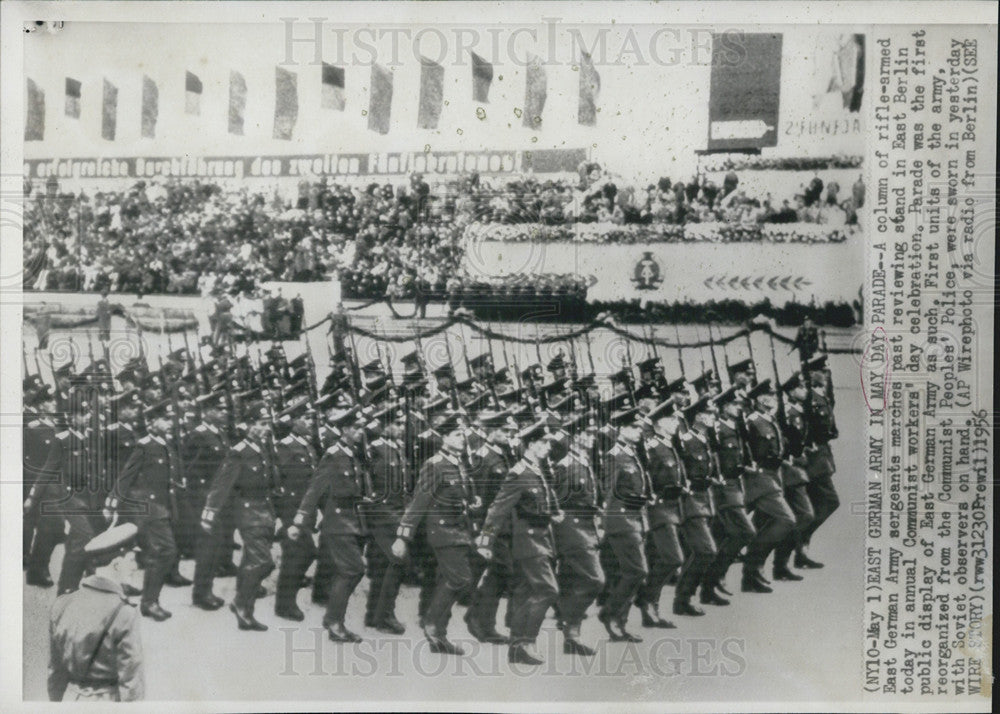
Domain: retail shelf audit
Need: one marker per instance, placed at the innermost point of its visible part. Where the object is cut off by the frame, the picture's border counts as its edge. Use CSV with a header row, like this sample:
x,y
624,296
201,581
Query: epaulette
x,y
755,415
615,450
288,440
334,448
519,468
63,435
145,440
240,446
379,440
686,436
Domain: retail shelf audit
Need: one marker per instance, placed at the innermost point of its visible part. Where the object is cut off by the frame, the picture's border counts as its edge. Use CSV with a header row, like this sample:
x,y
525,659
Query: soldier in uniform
x,y
627,492
822,428
340,484
580,576
388,468
245,479
103,317
204,449
806,340
95,651
146,487
794,478
733,528
490,465
526,496
772,517
441,502
694,446
666,475
41,534
296,462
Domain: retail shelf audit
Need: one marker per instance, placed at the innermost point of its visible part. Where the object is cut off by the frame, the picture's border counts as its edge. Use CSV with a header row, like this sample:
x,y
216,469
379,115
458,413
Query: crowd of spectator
x,y
194,236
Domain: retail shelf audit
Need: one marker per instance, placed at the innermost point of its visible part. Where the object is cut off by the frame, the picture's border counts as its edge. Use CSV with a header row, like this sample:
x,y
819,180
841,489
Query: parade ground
x,y
759,648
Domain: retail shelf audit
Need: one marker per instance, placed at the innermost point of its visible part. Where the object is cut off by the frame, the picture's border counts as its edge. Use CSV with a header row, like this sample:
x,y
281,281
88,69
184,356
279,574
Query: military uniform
x,y
95,652
204,450
41,534
296,462
146,486
489,470
387,466
697,509
733,528
627,492
772,516
580,576
795,481
822,428
440,503
527,495
337,484
663,547
245,479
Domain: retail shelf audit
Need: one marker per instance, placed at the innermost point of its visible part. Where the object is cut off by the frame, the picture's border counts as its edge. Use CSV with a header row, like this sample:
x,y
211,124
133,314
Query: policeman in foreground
x,y
95,651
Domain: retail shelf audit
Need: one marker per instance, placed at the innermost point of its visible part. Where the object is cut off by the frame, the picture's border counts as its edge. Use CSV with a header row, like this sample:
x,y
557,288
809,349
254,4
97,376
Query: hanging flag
x,y
482,77
73,88
332,96
431,93
150,107
590,87
192,93
286,103
380,101
237,102
535,93
109,111
34,122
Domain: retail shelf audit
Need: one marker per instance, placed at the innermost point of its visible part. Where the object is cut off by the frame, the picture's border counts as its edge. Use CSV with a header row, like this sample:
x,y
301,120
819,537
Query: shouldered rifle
x,y
38,366
313,395
573,371
750,350
711,350
452,389
725,357
277,488
590,354
782,417
465,352
176,436
90,348
680,352
629,384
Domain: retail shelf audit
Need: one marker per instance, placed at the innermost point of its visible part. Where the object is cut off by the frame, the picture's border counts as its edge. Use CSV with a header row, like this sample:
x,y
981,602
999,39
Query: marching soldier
x,y
441,502
41,534
822,428
146,489
628,491
387,464
694,445
794,478
245,479
296,462
95,651
666,475
580,576
204,451
490,467
772,516
734,530
526,496
340,485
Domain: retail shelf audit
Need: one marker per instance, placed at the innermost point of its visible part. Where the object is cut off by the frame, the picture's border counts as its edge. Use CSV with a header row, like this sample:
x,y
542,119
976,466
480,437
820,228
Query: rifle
x,y
782,418
313,395
277,488
822,340
203,373
24,359
452,389
590,354
752,358
680,351
520,386
574,373
725,354
38,366
352,364
175,429
72,353
538,345
711,350
701,352
628,366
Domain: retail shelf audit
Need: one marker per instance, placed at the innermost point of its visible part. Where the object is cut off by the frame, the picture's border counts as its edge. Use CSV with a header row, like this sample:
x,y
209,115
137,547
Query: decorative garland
x,y
628,234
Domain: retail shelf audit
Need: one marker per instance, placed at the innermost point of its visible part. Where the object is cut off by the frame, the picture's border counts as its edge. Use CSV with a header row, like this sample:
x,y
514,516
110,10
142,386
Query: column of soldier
x,y
504,484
